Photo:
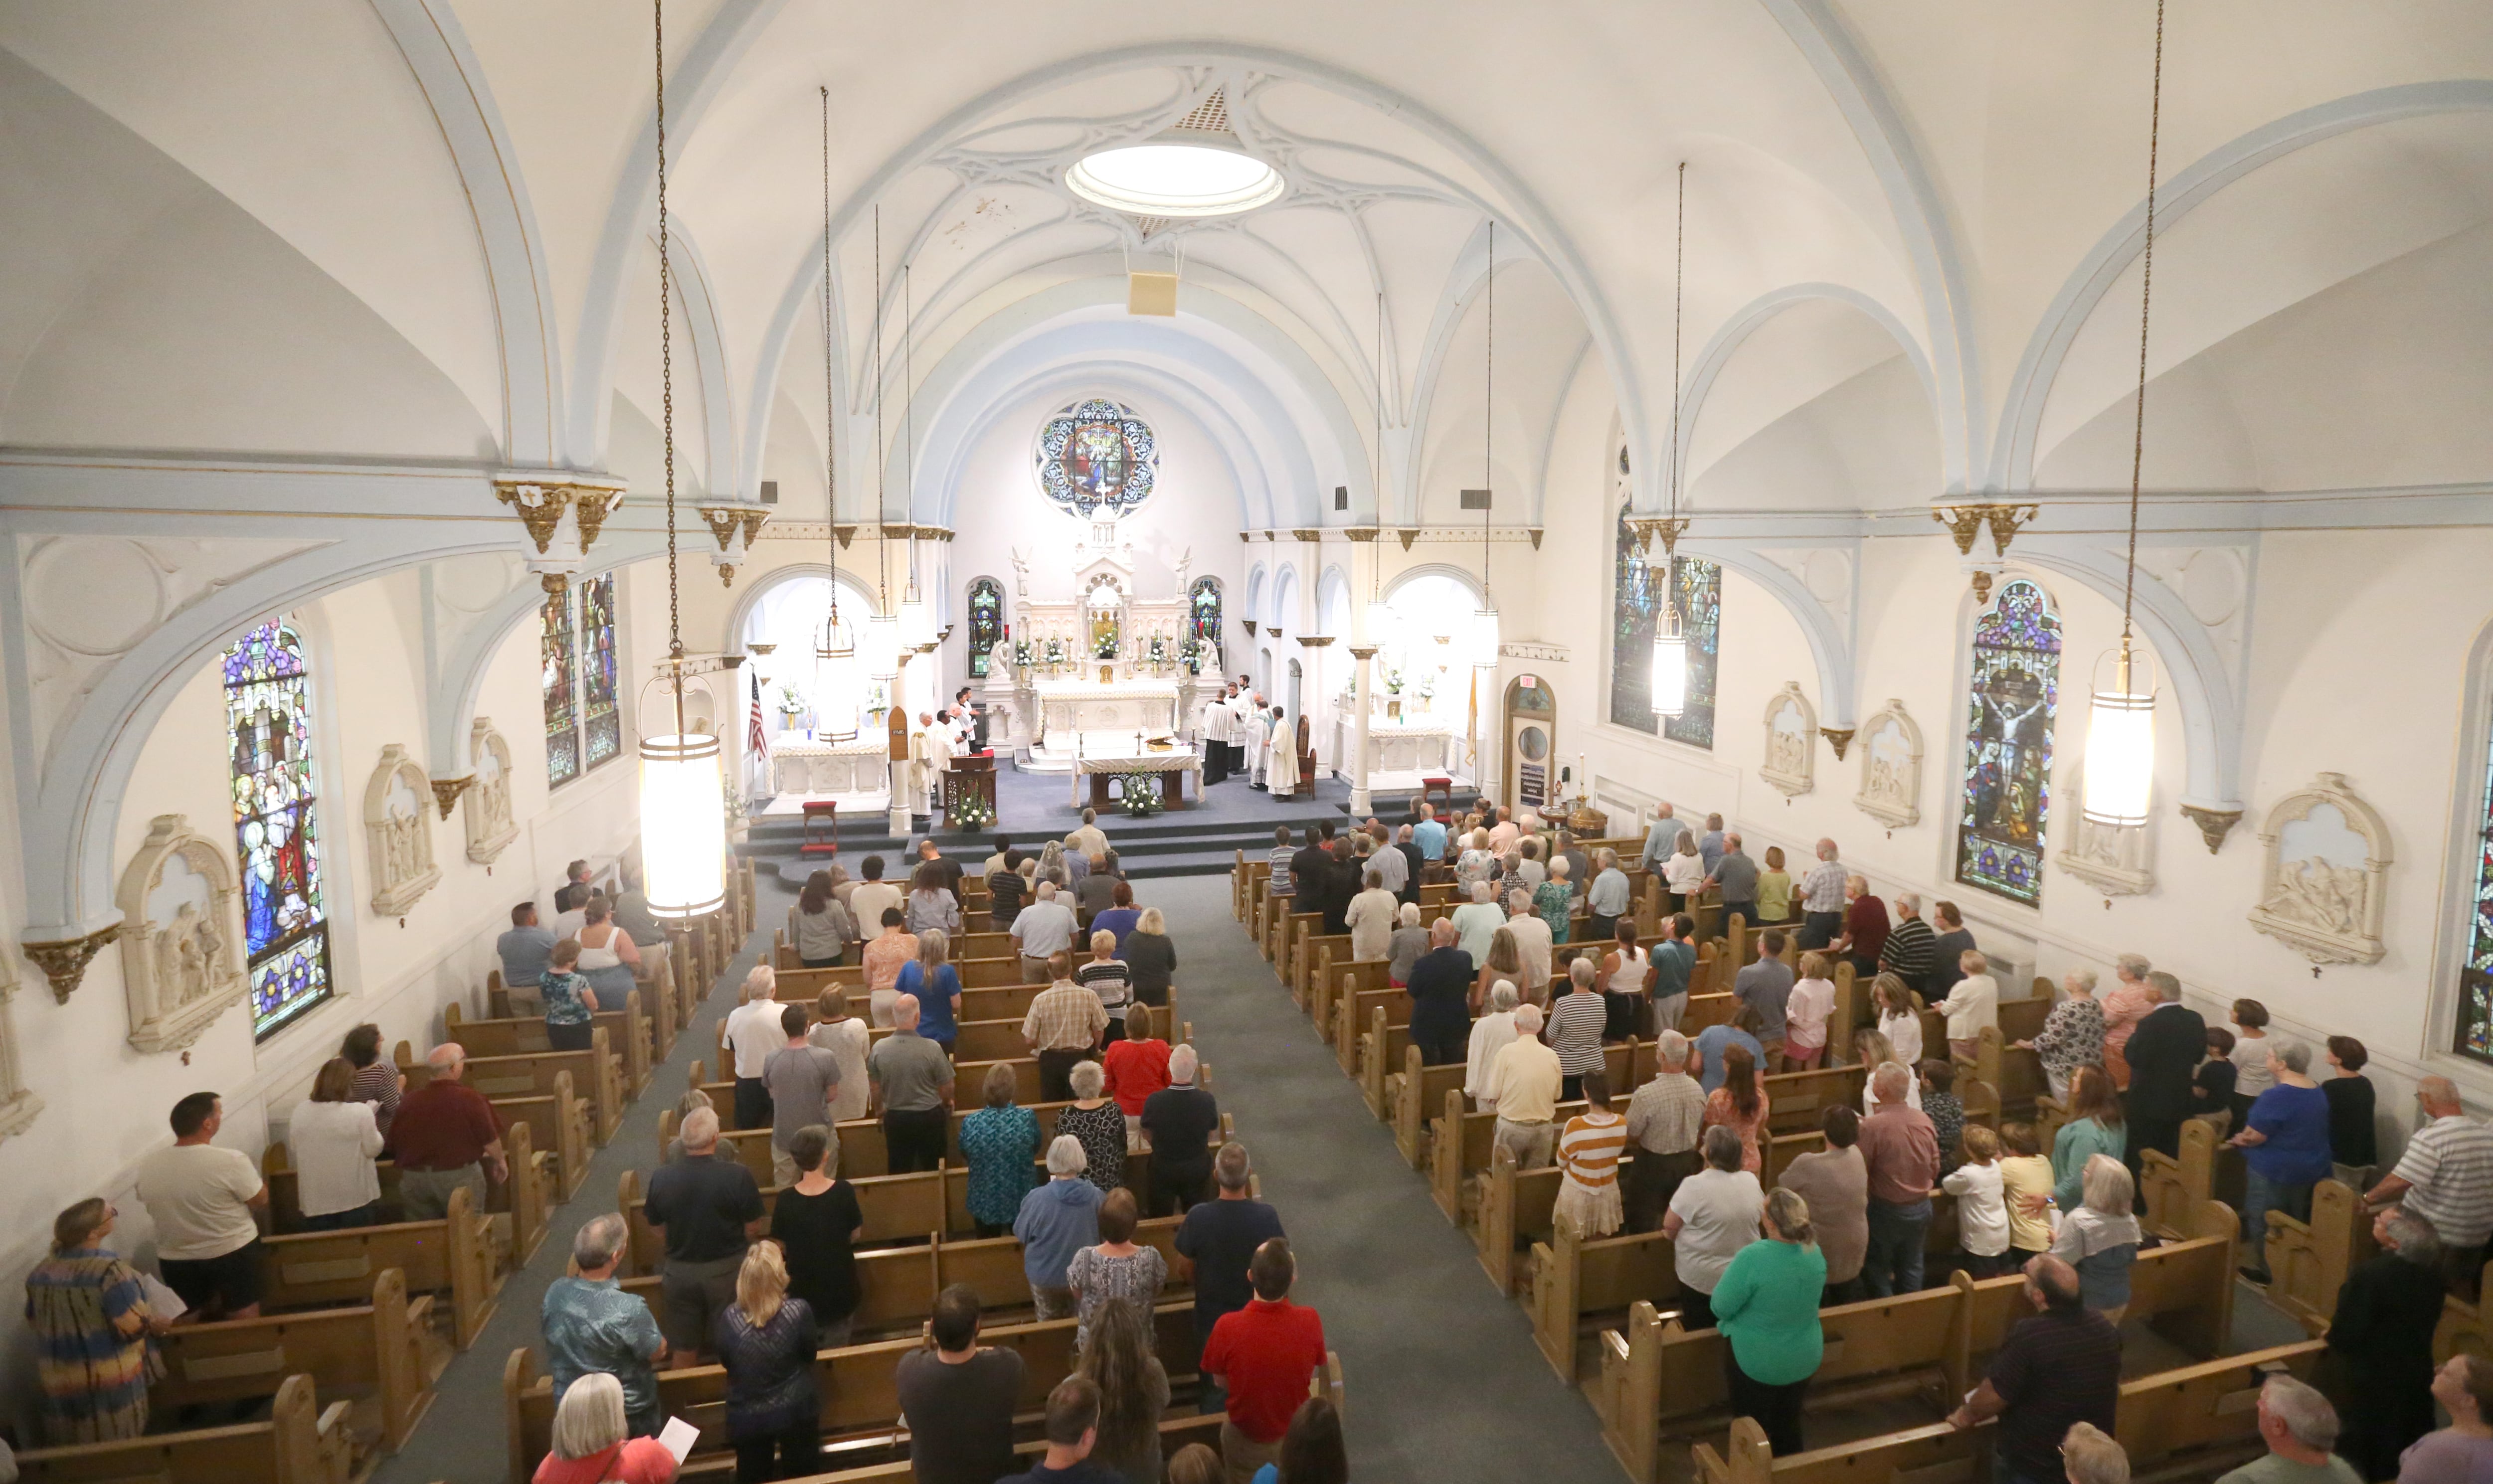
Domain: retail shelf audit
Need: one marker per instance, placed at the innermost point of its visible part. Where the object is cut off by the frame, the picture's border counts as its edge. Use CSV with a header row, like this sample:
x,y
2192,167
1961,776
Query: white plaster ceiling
x,y
1893,212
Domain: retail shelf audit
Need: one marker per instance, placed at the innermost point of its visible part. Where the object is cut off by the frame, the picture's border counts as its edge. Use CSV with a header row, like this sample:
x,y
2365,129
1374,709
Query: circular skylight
x,y
1164,179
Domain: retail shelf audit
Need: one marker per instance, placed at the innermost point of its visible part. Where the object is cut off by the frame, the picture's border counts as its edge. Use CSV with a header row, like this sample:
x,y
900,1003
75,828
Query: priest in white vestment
x,y
1244,709
930,753
1259,730
1283,772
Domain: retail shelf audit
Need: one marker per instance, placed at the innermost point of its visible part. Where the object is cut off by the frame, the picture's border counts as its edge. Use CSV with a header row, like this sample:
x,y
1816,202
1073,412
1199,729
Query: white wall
x,y
106,1103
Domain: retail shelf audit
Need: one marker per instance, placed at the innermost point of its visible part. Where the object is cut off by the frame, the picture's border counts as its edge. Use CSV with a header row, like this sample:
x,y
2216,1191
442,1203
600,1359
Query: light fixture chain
x,y
1678,301
667,372
882,546
830,400
2146,295
1489,409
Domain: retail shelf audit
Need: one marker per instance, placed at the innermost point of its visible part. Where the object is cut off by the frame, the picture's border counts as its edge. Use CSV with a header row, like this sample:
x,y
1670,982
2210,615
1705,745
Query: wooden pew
x,y
325,1269
2191,1423
1410,1092
1302,963
861,1148
627,1030
2176,1188
1338,975
1571,1277
2464,1328
557,1125
302,1442
2308,1261
525,1197
1514,1205
1660,1380
375,1349
597,1073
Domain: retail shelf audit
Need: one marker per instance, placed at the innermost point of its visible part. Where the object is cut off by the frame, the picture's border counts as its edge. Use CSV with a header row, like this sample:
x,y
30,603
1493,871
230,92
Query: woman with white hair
x,y
767,1339
1180,1120
590,1446
1150,957
1490,1034
2072,1034
1093,1120
2100,1238
1410,940
1554,897
2285,1149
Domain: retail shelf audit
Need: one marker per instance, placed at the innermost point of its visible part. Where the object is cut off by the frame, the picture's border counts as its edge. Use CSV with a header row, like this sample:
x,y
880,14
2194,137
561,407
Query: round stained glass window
x,y
1097,458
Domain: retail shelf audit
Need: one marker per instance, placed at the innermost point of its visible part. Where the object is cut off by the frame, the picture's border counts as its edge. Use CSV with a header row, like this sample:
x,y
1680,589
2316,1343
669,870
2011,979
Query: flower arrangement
x,y
1141,792
971,812
1160,649
1021,654
1393,680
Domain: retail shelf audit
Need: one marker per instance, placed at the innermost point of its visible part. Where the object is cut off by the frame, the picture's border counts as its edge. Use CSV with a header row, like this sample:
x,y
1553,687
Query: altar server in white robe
x,y
1217,720
1259,727
1245,707
930,753
1281,772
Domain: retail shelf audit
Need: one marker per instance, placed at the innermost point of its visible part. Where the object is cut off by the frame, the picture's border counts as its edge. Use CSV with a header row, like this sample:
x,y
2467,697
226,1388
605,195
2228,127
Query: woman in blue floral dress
x,y
1001,1143
1552,899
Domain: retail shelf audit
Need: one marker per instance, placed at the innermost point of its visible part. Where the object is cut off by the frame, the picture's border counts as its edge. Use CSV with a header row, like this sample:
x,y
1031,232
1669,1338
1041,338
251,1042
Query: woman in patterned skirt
x,y
91,1323
1553,898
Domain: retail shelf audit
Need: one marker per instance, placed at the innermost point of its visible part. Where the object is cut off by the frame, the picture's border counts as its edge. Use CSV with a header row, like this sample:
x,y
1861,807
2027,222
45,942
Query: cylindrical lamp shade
x,y
1670,675
881,650
2120,746
836,700
1484,638
1380,622
683,825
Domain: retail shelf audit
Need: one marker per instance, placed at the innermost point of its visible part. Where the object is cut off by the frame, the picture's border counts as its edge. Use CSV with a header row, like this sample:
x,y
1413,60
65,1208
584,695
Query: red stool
x,y
1434,786
822,828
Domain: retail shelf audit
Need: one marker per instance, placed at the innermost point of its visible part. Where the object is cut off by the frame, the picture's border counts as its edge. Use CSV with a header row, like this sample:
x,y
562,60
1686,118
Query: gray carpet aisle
x,y
1443,1380
462,1441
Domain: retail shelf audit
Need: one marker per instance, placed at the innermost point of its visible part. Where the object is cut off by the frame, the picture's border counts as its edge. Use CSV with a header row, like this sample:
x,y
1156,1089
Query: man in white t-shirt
x,y
872,896
202,1200
752,1034
1531,938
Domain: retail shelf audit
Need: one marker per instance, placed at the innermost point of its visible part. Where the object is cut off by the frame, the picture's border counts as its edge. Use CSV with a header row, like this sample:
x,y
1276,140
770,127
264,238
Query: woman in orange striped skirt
x,y
1589,1148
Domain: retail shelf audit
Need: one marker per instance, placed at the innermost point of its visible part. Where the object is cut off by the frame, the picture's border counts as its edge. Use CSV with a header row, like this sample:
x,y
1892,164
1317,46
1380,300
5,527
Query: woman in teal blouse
x,y
2095,1127
999,1144
1767,1305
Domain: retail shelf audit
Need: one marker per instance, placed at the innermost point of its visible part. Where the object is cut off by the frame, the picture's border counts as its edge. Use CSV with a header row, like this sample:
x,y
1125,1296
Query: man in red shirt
x,y
1264,1356
446,1137
1901,1150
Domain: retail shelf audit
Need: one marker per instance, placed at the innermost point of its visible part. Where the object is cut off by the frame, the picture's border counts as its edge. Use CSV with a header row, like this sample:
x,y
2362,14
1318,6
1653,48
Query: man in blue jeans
x,y
1901,1152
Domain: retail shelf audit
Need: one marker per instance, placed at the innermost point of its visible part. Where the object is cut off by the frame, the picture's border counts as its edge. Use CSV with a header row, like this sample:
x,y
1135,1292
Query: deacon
x,y
1259,730
1283,768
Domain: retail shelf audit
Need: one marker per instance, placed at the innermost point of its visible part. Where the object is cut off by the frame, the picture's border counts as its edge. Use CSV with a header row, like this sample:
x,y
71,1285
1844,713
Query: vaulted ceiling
x,y
425,229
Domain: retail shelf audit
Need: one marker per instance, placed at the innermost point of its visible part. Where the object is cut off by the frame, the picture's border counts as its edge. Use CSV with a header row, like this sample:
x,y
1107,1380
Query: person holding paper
x,y
590,1446
91,1314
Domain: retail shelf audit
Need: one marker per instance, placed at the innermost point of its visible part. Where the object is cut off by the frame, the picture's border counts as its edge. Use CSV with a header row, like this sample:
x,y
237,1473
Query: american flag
x,y
756,738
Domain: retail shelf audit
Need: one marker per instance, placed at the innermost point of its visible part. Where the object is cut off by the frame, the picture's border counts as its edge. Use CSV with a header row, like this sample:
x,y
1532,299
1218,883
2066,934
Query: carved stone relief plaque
x,y
2325,873
179,966
1791,741
398,832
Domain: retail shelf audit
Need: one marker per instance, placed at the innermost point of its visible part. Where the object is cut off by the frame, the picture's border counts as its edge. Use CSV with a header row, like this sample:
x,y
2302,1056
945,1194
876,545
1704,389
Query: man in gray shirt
x,y
801,1078
1042,927
1765,987
913,1085
524,951
1659,838
1736,872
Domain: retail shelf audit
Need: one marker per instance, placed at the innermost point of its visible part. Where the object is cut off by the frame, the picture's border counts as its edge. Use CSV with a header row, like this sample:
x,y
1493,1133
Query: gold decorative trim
x,y
1409,534
1315,641
1838,738
723,520
446,791
846,534
1363,532
1963,521
1247,537
1646,527
1536,538
64,962
2214,824
1363,651
540,507
754,516
1251,630
592,507
1307,535
554,583
1272,536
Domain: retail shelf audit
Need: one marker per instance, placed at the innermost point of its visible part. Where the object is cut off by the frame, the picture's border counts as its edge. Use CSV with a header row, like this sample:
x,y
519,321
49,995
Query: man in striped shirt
x,y
1575,1021
1281,859
1664,1119
2446,1176
1821,898
1911,949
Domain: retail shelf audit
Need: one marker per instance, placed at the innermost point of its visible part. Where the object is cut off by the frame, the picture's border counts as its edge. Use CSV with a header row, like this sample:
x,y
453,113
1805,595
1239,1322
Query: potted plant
x,y
1141,794
792,708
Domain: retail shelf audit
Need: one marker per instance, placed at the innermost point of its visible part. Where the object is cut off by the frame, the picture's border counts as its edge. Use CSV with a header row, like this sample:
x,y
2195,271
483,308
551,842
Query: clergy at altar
x,y
1282,768
930,754
1258,737
1217,720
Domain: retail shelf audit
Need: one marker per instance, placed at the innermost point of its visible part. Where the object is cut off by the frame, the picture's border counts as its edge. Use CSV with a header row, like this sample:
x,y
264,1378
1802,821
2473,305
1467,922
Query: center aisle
x,y
1443,1380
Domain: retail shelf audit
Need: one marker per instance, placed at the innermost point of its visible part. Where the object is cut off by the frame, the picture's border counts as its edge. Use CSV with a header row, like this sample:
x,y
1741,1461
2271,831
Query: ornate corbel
x,y
723,521
1838,738
1646,527
1362,533
1965,522
64,962
1272,536
1251,630
540,507
591,506
2214,824
1408,534
446,791
1363,652
2005,520
846,534
1536,538
754,516
1308,536
1314,641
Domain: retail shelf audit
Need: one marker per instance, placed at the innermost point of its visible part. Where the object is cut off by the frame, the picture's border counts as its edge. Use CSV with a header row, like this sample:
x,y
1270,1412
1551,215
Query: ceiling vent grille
x,y
1212,115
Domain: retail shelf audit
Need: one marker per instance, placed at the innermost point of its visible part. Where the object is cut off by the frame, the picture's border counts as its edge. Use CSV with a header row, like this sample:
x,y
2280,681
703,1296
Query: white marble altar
x,y
1401,751
1122,758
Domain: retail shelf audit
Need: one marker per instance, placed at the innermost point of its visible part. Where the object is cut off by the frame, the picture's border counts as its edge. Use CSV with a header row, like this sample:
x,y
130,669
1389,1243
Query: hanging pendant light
x,y
2121,720
881,649
1485,635
1668,680
836,698
683,800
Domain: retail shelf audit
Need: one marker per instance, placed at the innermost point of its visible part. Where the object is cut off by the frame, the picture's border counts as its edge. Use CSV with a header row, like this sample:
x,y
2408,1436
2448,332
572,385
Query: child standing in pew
x,y
1981,1204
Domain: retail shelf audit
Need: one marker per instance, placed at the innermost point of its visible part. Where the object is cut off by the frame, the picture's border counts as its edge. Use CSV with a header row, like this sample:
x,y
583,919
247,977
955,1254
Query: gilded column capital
x,y
446,791
64,962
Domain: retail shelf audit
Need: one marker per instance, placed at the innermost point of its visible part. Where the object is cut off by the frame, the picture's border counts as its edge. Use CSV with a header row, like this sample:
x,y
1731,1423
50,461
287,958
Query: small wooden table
x,y
822,828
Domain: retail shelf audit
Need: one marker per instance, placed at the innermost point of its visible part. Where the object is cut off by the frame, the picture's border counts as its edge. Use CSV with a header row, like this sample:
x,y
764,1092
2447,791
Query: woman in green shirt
x,y
1767,1306
2095,1127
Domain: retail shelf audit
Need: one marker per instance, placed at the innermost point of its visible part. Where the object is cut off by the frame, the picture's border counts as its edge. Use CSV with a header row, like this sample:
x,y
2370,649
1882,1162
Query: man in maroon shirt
x,y
446,1137
1264,1356
1901,1151
1865,927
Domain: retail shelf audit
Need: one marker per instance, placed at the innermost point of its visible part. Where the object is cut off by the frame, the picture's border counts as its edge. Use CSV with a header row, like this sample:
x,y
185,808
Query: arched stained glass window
x,y
268,725
1097,458
2010,708
2476,973
605,723
986,623
556,650
1636,604
1203,621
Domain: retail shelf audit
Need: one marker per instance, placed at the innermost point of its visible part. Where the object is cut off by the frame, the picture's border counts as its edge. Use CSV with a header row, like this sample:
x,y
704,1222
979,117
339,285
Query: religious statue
x,y
398,841
179,969
2327,872
2313,891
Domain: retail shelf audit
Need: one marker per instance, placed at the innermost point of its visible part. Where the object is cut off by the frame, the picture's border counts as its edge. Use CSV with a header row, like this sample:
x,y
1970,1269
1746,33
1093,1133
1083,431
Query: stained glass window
x,y
2475,975
1204,616
605,723
986,623
561,701
1097,458
1636,612
2009,711
268,723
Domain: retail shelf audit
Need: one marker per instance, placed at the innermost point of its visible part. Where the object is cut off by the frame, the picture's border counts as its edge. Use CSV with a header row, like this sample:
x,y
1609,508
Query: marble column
x,y
1363,656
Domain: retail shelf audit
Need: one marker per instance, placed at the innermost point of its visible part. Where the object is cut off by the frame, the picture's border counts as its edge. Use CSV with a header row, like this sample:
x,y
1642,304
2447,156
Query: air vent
x,y
1341,497
1212,115
770,491
1151,294
1475,500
